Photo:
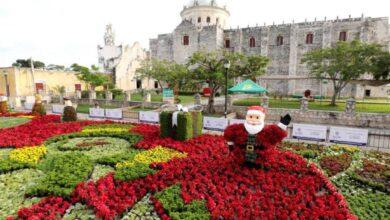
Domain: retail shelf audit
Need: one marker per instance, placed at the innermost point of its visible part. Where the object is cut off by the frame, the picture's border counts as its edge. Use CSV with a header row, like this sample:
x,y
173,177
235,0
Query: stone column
x,y
265,101
127,96
350,106
197,99
304,104
92,97
147,97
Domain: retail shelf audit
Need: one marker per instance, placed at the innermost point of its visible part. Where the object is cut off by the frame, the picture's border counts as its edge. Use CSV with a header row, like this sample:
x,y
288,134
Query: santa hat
x,y
256,110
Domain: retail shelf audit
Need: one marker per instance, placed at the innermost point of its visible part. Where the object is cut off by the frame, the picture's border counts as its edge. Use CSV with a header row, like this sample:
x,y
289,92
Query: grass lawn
x,y
317,105
6,122
158,98
84,108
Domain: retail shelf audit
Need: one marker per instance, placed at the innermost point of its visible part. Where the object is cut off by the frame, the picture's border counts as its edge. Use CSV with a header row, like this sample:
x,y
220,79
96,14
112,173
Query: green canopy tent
x,y
247,87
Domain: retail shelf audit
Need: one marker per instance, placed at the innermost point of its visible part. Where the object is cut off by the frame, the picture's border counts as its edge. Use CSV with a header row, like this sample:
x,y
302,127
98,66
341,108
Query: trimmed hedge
x,y
197,118
166,129
184,126
70,114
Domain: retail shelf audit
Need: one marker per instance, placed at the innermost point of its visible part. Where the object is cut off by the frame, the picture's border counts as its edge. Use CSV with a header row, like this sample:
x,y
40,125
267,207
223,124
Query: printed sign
x,y
58,109
149,117
96,113
309,132
168,96
215,124
28,105
236,121
114,113
350,136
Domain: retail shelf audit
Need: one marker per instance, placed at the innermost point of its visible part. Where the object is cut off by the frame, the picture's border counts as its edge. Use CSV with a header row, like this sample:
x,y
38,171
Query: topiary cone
x,y
70,114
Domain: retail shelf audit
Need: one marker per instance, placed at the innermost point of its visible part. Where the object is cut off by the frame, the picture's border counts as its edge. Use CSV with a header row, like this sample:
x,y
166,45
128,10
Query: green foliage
x,y
62,173
96,147
101,171
60,90
381,66
341,64
27,63
90,77
38,109
166,129
70,114
138,170
112,160
13,187
176,208
184,126
7,122
209,68
7,165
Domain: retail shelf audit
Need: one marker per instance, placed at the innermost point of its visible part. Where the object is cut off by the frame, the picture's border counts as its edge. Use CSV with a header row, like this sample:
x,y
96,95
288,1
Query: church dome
x,y
205,12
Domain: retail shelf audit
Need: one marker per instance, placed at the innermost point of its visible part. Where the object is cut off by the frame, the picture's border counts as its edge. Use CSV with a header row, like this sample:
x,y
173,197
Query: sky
x,y
68,31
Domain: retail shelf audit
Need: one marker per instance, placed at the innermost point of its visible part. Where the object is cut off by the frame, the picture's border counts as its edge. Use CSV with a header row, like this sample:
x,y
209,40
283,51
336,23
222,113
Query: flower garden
x,y
104,170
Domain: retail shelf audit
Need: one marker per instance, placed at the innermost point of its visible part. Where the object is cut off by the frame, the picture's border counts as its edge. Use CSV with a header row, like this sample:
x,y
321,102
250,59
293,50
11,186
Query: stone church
x,y
205,23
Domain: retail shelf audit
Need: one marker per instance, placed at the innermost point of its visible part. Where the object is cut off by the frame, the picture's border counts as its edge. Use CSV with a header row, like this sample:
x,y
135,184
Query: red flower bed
x,y
37,131
286,188
335,164
47,208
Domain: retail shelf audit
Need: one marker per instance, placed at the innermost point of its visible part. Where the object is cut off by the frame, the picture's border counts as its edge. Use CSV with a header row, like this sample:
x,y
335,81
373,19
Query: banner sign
x,y
309,132
114,113
350,136
149,117
28,105
236,121
168,96
58,109
96,113
215,124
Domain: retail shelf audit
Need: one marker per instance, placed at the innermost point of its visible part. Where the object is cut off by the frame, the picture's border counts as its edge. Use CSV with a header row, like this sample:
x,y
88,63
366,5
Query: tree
x,y
380,68
207,67
341,64
55,67
167,73
27,63
93,79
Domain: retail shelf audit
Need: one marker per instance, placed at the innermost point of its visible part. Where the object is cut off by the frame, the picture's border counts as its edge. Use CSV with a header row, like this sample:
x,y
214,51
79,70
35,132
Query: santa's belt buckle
x,y
250,148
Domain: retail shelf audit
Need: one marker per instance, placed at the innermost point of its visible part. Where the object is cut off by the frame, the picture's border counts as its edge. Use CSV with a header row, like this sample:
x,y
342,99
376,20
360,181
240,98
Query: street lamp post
x,y
226,65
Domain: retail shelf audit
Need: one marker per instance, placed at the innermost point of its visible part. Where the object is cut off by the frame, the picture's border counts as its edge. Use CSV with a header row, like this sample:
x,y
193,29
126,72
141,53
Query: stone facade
x,y
284,44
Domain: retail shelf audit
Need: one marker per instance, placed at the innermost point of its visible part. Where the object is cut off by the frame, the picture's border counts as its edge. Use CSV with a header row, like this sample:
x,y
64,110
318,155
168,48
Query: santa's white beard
x,y
253,129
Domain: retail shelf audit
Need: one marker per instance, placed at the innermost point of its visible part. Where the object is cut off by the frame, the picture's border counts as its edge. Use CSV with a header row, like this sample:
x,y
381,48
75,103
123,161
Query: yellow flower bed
x,y
108,130
26,116
155,155
29,155
344,147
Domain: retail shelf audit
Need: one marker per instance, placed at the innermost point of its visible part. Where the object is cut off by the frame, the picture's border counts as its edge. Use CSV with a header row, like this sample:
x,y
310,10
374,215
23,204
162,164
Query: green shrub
x,y
197,119
70,114
138,170
184,126
166,129
62,173
177,209
38,109
118,158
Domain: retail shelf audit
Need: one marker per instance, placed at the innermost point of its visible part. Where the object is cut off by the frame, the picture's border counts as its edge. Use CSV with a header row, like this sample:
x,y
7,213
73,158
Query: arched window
x,y
279,41
186,40
208,19
343,36
227,43
252,42
309,38
199,19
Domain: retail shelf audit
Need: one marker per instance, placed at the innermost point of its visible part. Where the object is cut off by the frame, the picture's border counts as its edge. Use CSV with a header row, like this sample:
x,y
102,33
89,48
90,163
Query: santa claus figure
x,y
254,135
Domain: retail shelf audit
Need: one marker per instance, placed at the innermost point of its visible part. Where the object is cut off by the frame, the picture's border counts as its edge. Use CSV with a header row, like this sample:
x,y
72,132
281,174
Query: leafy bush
x,y
176,208
63,172
197,118
8,165
70,114
373,174
38,109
